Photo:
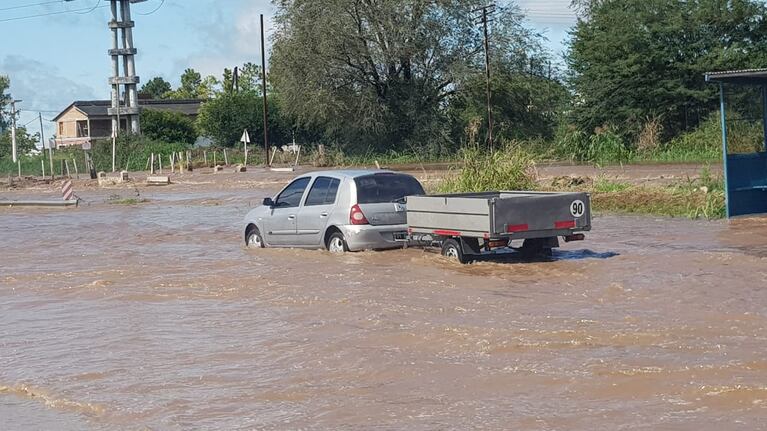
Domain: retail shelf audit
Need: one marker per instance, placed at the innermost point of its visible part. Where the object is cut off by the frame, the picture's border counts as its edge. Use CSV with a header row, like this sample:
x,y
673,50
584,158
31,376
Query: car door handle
x,y
291,217
323,215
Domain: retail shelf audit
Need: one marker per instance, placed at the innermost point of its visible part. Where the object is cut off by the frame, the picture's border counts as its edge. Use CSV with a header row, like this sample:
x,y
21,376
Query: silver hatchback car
x,y
346,210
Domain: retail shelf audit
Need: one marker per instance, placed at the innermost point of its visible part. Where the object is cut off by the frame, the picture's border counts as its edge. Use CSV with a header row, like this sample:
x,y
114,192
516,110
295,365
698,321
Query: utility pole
x,y
13,130
266,105
484,20
50,146
122,31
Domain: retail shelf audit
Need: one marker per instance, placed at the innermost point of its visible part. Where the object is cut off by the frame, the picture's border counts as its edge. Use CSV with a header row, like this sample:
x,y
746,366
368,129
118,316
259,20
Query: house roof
x,y
98,108
745,76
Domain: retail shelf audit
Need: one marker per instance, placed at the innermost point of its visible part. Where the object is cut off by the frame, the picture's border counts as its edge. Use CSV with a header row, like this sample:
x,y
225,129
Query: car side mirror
x,y
268,202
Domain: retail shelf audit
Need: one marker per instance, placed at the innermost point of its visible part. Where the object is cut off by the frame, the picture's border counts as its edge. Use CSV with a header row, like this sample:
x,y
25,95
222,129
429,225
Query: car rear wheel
x,y
451,249
337,243
253,238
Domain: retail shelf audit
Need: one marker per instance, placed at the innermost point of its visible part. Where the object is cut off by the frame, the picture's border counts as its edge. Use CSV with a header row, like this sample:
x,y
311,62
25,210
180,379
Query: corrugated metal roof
x,y
98,108
743,75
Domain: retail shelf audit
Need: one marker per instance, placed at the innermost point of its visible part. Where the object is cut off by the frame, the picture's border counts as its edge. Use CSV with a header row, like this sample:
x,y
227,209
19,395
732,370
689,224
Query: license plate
x,y
400,236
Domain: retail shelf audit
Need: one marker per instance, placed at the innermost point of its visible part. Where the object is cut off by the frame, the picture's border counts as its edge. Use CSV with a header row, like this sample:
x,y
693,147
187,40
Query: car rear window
x,y
377,188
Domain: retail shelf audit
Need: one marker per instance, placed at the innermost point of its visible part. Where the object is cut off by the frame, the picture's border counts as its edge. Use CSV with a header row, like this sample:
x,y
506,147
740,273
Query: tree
x,y
171,127
224,118
193,86
156,88
381,72
524,106
24,142
5,99
637,59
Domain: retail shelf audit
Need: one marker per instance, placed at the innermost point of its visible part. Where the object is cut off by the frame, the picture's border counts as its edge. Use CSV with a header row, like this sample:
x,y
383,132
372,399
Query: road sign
x,y
245,137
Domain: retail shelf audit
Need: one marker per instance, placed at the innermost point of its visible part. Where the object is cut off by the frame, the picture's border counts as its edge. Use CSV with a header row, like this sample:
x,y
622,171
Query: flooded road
x,y
155,317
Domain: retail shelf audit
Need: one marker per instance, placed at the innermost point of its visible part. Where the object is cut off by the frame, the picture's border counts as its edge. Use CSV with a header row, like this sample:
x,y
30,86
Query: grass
x,y
510,168
694,198
514,169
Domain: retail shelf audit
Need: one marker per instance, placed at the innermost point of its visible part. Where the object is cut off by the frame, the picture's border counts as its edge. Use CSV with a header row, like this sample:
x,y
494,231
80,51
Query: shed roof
x,y
98,108
745,76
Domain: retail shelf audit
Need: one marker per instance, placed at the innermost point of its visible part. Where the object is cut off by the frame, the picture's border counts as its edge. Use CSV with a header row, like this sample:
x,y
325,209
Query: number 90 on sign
x,y
577,208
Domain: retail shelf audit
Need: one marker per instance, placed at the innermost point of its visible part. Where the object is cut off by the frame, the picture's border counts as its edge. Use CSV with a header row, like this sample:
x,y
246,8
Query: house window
x,y
82,129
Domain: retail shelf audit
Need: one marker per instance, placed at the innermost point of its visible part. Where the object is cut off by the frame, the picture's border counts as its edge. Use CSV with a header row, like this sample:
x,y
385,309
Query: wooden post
x,y
205,155
151,164
42,165
77,172
214,158
172,163
66,163
18,161
188,160
159,160
226,159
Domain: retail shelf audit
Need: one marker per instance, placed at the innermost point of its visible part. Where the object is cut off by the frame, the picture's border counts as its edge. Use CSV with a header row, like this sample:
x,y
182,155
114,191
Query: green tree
x,y
524,106
24,142
380,73
224,118
156,88
194,86
5,99
171,127
637,59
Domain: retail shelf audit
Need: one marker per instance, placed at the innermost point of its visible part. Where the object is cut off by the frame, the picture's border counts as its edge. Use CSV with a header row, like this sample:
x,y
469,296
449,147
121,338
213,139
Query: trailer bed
x,y
500,214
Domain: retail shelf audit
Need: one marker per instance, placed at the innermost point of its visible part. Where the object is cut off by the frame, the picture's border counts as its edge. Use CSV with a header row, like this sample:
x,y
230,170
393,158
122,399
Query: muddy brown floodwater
x,y
155,317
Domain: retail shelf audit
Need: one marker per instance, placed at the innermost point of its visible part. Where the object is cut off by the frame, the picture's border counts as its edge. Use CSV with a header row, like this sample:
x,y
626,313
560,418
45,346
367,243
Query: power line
x,y
30,5
155,10
89,9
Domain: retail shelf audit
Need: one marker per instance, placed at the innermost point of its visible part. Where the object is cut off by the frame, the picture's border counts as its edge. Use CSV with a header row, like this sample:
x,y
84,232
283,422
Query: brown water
x,y
155,317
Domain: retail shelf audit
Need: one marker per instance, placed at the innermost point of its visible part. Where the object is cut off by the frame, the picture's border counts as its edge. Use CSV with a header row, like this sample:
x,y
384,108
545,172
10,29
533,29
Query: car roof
x,y
350,173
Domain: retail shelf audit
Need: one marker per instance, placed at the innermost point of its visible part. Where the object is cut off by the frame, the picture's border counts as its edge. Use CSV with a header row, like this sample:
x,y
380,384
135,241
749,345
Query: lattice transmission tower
x,y
122,47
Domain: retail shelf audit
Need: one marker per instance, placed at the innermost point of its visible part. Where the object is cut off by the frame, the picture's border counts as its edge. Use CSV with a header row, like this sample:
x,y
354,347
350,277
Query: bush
x,y
510,168
604,146
132,152
168,126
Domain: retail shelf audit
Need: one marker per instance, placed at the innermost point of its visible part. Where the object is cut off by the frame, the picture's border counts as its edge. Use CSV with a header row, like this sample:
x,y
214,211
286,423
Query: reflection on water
x,y
155,317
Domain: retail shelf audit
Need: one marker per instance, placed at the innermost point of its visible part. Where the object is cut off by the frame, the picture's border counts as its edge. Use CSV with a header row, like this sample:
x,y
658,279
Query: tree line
x,y
393,76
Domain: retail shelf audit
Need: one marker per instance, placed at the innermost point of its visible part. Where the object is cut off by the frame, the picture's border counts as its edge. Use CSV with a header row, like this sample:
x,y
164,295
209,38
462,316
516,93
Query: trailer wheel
x,y
451,248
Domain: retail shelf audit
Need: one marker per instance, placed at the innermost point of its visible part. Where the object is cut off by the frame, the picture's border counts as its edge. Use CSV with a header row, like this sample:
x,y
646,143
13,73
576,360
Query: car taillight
x,y
357,217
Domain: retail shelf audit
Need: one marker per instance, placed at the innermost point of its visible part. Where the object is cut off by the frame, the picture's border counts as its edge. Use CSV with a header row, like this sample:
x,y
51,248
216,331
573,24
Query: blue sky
x,y
55,59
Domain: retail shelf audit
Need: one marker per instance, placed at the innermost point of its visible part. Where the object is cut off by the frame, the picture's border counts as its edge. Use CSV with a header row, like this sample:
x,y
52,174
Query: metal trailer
x,y
470,225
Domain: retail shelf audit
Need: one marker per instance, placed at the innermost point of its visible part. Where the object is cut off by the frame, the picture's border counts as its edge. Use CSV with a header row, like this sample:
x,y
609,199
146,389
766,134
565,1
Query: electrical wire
x,y
89,9
30,5
155,10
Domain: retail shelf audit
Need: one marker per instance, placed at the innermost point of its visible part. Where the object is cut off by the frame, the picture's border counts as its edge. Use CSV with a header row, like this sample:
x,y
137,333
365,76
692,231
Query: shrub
x,y
168,126
510,168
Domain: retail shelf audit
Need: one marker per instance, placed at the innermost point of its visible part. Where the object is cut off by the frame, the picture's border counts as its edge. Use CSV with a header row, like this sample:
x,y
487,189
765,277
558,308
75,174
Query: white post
x,y
13,133
114,146
42,165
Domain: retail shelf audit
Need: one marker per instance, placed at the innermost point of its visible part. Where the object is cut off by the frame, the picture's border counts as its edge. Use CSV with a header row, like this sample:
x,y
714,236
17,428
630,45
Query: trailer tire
x,y
452,249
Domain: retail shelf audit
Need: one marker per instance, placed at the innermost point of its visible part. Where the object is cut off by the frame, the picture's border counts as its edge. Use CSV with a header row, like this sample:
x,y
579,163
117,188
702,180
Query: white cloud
x,y
229,40
42,87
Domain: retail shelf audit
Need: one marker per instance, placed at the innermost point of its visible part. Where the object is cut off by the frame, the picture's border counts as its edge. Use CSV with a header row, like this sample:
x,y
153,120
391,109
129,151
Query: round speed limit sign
x,y
577,208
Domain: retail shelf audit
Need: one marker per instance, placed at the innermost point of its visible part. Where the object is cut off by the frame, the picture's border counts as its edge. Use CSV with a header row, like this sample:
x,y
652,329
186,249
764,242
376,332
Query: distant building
x,y
84,120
